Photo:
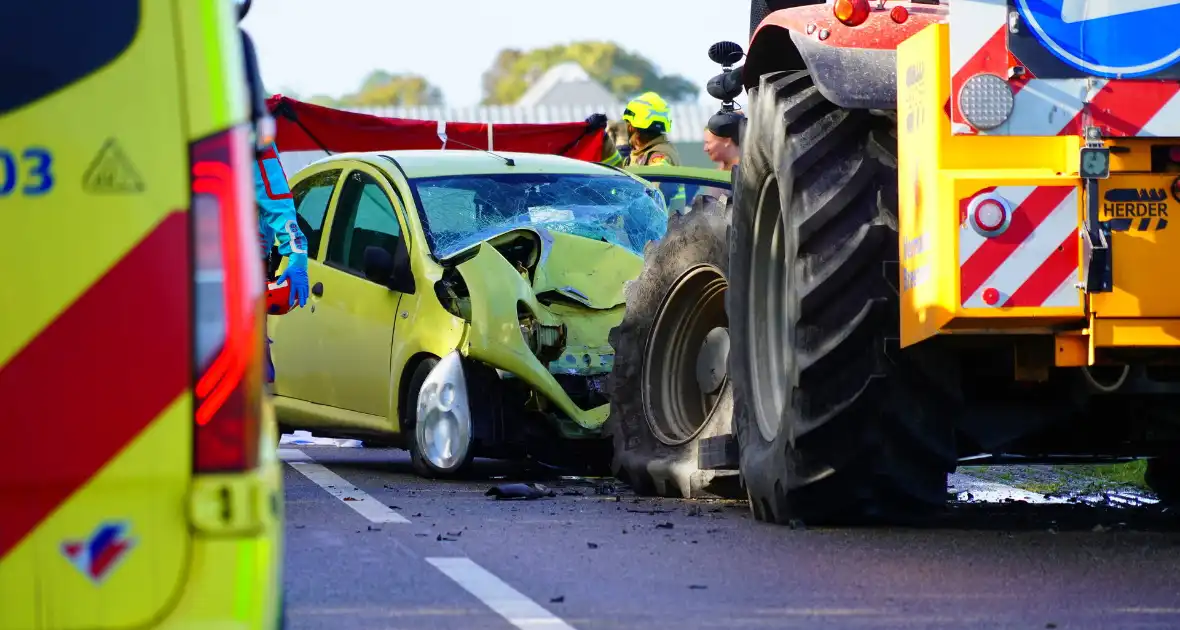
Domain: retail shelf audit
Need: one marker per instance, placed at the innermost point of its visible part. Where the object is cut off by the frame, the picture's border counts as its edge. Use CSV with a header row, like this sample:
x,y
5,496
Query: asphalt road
x,y
370,545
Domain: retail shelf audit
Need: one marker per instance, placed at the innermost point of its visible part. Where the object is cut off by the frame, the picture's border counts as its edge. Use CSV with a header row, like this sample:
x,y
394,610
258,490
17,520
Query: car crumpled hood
x,y
591,272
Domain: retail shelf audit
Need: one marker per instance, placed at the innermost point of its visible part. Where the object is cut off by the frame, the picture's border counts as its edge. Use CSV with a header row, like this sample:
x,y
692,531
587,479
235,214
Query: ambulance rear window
x,y
47,45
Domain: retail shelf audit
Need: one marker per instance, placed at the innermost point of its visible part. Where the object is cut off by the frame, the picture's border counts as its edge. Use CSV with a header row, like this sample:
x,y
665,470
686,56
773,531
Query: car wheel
x,y
418,457
669,386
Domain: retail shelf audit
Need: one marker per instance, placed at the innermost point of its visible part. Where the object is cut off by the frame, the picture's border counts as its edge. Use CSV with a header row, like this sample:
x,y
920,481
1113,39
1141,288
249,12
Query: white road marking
x,y
350,495
506,601
293,455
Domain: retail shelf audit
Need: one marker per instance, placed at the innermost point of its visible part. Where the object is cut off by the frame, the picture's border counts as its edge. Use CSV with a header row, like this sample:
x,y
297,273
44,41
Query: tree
x,y
383,89
624,73
321,99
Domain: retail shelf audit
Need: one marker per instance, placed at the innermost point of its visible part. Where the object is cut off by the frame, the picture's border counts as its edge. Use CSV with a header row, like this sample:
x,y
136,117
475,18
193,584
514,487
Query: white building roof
x,y
565,84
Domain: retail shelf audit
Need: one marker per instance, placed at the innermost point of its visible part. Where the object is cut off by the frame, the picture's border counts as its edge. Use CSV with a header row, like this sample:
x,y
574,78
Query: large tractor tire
x,y
669,386
833,423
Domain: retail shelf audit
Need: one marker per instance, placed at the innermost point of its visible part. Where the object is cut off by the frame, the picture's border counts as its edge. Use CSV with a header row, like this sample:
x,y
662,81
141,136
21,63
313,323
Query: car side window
x,y
364,217
311,197
692,190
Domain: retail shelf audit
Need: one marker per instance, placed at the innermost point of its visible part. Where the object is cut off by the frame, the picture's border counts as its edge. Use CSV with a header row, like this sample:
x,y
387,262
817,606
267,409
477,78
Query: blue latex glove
x,y
296,275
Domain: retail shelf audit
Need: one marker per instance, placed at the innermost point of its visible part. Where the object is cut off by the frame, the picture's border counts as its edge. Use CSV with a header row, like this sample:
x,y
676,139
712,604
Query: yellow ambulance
x,y
139,486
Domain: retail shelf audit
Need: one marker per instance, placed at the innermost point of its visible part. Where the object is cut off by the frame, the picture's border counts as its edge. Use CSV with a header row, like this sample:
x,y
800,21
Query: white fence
x,y
688,120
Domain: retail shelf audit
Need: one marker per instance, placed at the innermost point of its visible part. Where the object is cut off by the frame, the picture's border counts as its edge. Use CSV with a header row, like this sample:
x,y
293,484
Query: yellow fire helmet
x,y
649,111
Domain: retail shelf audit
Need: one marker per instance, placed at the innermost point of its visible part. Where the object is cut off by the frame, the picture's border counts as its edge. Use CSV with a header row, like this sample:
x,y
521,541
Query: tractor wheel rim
x,y
767,323
684,364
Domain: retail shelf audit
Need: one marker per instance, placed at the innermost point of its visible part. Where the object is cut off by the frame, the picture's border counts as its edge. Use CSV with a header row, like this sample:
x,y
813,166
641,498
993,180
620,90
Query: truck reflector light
x,y
989,215
899,14
227,291
986,101
991,296
851,12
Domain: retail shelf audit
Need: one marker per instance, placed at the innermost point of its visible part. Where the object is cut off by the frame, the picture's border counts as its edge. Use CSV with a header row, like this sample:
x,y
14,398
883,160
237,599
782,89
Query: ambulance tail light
x,y
227,302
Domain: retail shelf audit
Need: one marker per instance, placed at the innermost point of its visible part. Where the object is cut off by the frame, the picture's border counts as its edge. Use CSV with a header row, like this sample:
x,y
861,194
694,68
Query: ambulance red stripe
x,y
76,396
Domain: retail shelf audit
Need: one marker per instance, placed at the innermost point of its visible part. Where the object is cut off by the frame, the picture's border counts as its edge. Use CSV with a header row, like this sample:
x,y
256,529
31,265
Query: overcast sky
x,y
328,46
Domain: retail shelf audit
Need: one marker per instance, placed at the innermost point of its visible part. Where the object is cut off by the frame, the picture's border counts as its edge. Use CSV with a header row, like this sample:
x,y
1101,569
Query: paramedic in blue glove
x,y
276,220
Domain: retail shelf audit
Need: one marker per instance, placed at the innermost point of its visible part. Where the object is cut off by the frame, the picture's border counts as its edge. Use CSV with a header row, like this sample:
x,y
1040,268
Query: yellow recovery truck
x,y
949,241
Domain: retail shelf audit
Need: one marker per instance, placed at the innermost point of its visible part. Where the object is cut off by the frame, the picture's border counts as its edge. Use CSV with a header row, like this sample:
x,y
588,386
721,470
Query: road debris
x,y
664,525
557,600
602,486
520,491
651,511
305,438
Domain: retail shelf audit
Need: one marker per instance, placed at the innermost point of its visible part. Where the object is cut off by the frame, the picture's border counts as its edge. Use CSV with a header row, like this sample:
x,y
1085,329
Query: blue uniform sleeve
x,y
275,205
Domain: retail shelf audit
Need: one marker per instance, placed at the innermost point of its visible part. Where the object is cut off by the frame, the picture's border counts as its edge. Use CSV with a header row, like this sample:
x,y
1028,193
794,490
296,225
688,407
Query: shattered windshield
x,y
460,211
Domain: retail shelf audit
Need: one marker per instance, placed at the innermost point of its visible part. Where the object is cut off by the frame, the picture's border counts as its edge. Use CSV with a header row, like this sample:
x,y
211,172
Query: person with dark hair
x,y
723,135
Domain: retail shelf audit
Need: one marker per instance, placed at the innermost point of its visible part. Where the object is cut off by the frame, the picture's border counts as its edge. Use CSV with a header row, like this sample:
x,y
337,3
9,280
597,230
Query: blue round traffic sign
x,y
1107,38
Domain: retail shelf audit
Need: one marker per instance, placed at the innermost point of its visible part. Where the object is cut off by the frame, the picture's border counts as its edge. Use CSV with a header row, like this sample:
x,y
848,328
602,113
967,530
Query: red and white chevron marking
x,y
1051,107
1054,107
978,44
1033,263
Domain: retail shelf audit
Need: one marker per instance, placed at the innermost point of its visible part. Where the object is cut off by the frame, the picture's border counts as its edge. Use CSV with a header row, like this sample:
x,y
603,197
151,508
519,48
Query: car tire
x,y
658,412
834,423
421,465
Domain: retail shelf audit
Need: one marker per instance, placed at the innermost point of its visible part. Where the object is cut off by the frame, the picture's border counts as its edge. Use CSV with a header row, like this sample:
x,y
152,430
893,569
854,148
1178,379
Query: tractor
x,y
948,242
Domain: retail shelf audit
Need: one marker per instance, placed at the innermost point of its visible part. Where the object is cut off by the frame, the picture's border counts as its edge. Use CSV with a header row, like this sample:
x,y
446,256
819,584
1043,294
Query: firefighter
x,y
645,124
648,123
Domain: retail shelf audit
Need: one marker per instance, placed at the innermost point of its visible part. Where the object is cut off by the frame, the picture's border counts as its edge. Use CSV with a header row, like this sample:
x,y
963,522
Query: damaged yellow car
x,y
460,303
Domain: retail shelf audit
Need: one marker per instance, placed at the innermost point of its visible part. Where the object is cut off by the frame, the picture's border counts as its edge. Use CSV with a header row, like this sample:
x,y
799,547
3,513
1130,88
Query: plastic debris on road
x,y
305,438
520,491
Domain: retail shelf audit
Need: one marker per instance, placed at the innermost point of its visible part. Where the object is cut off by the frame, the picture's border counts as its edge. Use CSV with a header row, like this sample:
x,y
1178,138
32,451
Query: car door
x,y
296,347
353,319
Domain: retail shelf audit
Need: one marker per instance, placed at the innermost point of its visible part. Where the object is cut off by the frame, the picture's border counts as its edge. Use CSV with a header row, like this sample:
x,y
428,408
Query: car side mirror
x,y
389,269
378,266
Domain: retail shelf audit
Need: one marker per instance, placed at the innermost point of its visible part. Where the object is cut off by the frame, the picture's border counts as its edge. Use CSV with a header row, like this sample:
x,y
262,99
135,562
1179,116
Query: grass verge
x,y
1072,479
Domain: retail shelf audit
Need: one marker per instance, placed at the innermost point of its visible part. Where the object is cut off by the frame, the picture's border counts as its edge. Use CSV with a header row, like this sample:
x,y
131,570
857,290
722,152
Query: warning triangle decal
x,y
112,172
